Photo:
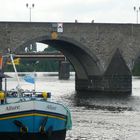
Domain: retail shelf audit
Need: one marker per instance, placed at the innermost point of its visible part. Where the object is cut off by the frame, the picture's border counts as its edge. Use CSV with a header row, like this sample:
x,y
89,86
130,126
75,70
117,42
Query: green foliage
x,y
41,65
30,66
50,49
136,70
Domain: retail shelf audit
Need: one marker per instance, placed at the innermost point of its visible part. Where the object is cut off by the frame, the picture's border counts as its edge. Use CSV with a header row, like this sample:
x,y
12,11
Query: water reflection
x,y
110,103
104,117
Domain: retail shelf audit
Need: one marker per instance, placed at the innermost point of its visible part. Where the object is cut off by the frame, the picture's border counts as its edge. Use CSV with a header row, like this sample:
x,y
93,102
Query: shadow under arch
x,y
84,62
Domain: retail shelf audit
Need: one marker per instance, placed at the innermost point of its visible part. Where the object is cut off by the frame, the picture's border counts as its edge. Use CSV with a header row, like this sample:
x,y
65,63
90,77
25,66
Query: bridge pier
x,y
64,70
116,79
105,84
117,84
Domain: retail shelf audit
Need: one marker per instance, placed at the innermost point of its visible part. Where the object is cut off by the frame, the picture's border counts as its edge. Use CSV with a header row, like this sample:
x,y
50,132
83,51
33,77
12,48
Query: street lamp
x,y
30,7
137,10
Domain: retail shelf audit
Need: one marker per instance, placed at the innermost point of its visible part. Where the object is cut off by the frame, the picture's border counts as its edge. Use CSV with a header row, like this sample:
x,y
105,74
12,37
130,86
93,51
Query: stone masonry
x,y
103,55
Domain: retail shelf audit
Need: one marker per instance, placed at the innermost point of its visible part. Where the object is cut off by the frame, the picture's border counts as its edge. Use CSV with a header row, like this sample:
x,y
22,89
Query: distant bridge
x,y
64,70
40,55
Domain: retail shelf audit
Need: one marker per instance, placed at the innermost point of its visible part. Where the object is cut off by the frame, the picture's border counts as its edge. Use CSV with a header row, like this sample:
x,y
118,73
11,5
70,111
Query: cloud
x,y
68,10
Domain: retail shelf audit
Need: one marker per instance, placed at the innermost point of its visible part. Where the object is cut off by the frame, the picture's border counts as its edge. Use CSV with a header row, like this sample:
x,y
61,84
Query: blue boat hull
x,y
55,135
35,120
32,120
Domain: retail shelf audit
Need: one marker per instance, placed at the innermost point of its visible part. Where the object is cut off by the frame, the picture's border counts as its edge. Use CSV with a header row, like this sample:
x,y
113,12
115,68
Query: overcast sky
x,y
108,11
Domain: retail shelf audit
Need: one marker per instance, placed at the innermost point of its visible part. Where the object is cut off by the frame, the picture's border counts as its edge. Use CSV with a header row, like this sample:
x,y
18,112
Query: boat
x,y
32,116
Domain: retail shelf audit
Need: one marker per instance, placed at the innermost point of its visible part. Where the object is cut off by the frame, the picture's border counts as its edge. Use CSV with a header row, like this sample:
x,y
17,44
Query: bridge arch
x,y
84,62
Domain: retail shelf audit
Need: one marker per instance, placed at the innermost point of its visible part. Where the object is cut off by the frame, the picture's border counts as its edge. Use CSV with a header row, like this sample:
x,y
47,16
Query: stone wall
x,y
89,47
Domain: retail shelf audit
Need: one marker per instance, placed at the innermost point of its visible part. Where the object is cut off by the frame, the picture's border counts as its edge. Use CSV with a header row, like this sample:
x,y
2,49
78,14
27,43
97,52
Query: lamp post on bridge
x,y
30,7
137,10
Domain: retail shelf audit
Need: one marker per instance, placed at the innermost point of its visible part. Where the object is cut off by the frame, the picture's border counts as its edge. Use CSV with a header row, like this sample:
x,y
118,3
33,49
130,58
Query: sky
x,y
101,11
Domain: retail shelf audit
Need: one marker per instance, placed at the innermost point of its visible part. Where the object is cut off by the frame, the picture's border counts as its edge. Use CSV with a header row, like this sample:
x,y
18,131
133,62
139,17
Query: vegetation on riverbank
x,y
136,69
40,65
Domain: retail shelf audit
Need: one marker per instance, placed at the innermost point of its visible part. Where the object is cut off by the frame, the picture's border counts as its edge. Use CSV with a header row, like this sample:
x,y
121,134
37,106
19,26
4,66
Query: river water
x,y
94,118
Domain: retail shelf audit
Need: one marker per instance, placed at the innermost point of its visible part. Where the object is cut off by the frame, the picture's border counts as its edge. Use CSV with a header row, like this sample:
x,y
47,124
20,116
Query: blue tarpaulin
x,y
29,79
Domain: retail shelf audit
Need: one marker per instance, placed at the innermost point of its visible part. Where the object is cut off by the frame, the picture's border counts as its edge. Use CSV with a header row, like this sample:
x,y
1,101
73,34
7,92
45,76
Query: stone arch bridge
x,y
102,55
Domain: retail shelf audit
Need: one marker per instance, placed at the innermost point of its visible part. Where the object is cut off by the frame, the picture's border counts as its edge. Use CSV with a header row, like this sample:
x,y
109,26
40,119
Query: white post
x,y
34,82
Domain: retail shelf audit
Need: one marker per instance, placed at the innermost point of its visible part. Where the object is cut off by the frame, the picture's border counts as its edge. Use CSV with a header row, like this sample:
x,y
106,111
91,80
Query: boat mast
x,y
11,56
18,86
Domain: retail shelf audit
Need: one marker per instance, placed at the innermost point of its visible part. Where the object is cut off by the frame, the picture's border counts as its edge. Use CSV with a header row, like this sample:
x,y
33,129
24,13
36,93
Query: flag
x,y
29,79
16,61
1,61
